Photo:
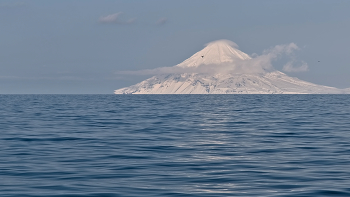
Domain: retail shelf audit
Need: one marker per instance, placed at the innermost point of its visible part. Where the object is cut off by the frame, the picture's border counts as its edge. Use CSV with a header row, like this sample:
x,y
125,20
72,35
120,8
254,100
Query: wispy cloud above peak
x,y
115,19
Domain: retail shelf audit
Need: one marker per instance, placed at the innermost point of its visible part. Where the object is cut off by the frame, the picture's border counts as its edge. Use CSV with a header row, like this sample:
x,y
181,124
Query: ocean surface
x,y
174,145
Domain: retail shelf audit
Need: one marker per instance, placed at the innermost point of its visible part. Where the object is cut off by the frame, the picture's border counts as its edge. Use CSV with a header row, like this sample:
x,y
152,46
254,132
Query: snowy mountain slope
x,y
270,83
346,91
216,54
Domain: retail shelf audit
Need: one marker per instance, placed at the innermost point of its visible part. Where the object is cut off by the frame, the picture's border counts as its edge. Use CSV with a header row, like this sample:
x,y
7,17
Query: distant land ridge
x,y
241,80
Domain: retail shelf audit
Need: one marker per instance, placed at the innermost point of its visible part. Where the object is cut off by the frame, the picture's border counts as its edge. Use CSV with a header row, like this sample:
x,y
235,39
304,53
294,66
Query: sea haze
x,y
175,145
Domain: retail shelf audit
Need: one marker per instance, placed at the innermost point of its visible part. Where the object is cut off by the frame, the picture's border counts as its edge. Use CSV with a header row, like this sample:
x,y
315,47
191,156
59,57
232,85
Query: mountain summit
x,y
217,52
234,74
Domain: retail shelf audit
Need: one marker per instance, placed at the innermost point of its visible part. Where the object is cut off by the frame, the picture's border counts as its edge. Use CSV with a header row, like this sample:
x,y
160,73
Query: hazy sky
x,y
71,46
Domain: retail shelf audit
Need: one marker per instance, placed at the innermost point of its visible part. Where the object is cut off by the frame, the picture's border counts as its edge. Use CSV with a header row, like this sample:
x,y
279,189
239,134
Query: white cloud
x,y
289,67
115,19
229,42
112,18
258,64
162,21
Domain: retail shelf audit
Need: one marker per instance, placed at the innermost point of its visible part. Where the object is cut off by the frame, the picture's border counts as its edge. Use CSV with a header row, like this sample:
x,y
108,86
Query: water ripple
x,y
175,145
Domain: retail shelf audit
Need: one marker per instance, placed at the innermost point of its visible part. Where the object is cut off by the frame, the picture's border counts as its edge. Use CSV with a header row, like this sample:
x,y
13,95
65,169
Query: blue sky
x,y
72,46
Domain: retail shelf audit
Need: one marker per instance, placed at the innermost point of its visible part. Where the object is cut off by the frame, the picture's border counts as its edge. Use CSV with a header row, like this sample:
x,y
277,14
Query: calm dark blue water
x,y
175,145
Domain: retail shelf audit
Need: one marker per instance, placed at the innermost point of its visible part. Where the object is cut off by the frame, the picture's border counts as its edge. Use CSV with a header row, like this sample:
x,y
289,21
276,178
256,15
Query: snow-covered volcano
x,y
236,74
216,53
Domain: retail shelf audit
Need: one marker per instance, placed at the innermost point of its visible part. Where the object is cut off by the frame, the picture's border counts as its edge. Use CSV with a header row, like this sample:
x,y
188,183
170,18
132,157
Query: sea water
x,y
175,145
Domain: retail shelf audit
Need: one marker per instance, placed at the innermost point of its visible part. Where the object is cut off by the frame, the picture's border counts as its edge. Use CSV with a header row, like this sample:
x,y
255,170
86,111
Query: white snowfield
x,y
218,53
215,53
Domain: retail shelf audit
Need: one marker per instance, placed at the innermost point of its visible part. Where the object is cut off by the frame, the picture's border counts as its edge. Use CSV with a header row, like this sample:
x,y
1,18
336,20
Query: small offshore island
x,y
220,68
